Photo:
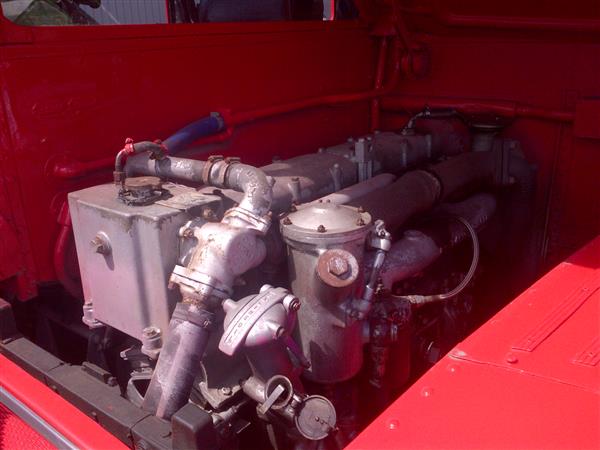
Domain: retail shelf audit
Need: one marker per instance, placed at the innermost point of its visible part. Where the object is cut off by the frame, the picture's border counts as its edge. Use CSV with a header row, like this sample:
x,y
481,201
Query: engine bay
x,y
286,306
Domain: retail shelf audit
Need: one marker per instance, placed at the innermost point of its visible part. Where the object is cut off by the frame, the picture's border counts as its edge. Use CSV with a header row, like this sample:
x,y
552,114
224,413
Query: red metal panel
x,y
75,93
499,390
70,422
16,434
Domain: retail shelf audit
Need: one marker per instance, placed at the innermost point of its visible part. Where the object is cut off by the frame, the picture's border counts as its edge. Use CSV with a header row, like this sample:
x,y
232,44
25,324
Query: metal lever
x,y
266,406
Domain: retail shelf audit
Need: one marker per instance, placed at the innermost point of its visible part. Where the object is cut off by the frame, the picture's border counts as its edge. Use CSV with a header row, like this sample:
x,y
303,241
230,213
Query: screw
x,y
338,266
321,229
286,221
295,305
360,222
188,233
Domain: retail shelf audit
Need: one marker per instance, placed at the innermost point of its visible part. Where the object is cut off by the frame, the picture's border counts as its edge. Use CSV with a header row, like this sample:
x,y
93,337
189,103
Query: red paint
x,y
16,434
60,414
487,393
71,95
471,106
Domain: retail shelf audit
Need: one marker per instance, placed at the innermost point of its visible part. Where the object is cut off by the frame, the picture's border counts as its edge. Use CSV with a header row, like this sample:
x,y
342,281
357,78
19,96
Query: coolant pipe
x,y
181,139
222,173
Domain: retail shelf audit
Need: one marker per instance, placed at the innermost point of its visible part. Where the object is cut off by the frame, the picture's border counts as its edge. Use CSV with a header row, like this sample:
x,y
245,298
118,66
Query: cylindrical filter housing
x,y
326,245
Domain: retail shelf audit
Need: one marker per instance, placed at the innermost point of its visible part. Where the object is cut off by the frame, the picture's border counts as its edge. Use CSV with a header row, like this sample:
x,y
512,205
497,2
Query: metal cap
x,y
316,418
143,184
324,220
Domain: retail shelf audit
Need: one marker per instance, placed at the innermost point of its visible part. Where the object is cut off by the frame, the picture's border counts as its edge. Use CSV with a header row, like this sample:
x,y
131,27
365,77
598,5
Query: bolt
x,y
209,215
321,229
360,222
286,221
188,233
295,305
338,266
226,390
150,332
100,245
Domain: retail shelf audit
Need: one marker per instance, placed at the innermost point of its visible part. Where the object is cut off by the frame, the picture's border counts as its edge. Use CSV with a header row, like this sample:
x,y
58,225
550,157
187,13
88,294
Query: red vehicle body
x,y
71,95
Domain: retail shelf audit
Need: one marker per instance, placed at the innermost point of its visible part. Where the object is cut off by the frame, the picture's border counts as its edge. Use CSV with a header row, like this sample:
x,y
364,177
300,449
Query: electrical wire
x,y
420,300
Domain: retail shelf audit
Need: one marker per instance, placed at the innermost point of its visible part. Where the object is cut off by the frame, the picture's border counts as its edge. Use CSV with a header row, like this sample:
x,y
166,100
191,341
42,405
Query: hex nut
x,y
338,266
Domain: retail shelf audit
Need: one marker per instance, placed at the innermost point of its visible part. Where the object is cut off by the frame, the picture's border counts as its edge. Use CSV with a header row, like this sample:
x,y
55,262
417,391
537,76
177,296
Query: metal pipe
x,y
419,191
379,74
404,103
420,248
228,173
357,190
214,264
179,360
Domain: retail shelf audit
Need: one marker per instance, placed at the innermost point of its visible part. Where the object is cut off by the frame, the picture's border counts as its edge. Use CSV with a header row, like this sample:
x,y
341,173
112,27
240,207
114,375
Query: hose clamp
x,y
210,162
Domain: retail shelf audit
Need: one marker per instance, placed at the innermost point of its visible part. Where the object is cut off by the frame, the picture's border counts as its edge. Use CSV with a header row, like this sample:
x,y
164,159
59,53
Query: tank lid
x,y
324,219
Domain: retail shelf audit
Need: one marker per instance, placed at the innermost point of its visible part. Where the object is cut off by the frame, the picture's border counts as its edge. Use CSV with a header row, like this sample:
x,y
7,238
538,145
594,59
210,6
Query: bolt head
x,y
226,390
338,266
321,229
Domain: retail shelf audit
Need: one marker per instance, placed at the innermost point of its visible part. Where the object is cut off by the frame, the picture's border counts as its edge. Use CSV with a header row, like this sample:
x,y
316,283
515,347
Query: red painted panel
x,y
70,422
75,93
16,434
492,391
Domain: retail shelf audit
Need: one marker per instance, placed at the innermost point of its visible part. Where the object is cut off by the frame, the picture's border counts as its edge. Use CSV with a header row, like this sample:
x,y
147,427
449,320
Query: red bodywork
x,y
71,95
529,378
67,420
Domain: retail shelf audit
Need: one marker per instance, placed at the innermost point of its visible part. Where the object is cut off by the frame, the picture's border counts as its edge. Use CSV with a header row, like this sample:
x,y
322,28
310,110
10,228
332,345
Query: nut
x,y
338,266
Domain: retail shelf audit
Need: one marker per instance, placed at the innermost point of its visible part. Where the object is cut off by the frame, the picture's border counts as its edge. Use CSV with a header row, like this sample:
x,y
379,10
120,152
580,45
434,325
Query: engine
x,y
286,305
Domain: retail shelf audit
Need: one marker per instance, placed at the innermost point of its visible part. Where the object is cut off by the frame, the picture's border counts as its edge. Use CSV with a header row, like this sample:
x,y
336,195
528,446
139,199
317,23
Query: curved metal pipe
x,y
221,173
418,249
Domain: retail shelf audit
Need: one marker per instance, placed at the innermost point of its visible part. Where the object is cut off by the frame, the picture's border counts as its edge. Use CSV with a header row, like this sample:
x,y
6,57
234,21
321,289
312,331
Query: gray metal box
x,y
128,286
